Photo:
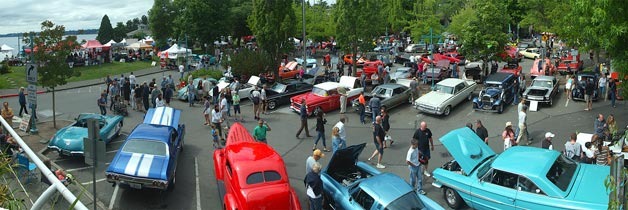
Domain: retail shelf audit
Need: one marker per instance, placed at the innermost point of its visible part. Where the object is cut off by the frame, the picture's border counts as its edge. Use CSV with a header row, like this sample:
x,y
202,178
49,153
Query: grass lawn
x,y
18,74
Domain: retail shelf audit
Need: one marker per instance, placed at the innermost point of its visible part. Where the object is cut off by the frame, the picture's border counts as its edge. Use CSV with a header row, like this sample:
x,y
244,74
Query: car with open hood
x,y
498,92
149,155
512,67
542,89
547,68
182,93
352,184
251,174
370,67
439,71
401,73
310,62
391,95
280,93
577,94
69,139
325,95
521,177
445,95
569,62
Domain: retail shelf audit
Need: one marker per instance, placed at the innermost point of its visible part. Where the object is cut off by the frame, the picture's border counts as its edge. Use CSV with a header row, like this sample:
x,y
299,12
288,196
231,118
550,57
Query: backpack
x,y
255,100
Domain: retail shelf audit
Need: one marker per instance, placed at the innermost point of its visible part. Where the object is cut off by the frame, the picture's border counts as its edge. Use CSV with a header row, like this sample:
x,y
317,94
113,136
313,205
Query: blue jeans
x,y
362,114
316,203
338,143
613,97
416,177
602,92
229,109
375,113
103,110
191,98
321,134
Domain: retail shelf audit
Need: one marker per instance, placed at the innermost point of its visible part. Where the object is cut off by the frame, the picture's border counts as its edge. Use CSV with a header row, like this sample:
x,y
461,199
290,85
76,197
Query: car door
x,y
529,196
398,97
495,190
459,94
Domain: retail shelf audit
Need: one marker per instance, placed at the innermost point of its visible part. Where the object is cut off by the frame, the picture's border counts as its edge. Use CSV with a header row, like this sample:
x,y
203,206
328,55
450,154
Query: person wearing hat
x,y
547,142
508,136
316,155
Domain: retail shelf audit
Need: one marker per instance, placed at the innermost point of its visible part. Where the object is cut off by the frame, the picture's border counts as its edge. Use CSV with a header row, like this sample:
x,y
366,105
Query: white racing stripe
x,y
166,119
144,168
131,166
156,118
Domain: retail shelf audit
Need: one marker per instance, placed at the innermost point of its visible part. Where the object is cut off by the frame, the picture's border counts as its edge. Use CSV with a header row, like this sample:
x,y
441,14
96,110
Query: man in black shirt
x,y
424,136
378,138
481,131
547,142
588,94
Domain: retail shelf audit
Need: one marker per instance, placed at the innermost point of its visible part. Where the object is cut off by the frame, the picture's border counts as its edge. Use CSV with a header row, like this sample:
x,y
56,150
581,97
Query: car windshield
x,y
144,146
562,172
381,92
492,85
409,201
542,83
485,167
444,89
319,92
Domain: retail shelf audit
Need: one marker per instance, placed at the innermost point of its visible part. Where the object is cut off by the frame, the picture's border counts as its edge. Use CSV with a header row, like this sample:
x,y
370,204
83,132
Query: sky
x,y
18,16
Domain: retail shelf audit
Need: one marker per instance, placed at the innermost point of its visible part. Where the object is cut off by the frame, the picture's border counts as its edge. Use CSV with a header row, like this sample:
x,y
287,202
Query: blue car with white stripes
x,y
148,157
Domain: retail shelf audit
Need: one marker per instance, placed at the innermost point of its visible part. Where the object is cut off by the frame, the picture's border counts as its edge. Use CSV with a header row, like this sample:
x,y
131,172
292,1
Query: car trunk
x,y
342,166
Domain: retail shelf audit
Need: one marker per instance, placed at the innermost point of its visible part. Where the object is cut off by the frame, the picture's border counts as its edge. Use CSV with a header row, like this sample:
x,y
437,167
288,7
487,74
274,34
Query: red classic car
x,y
437,57
251,174
510,54
547,68
571,59
325,95
348,59
289,70
370,68
512,67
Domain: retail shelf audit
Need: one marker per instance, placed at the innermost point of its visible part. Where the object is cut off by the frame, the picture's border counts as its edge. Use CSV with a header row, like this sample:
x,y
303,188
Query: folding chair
x,y
27,169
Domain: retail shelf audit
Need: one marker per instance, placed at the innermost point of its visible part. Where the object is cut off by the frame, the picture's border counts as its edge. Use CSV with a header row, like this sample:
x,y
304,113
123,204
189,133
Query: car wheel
x,y
174,182
452,198
500,109
447,111
551,102
272,105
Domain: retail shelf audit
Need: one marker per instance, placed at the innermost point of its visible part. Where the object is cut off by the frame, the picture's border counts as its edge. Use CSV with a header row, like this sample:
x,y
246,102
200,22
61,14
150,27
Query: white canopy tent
x,y
138,45
175,50
111,42
6,51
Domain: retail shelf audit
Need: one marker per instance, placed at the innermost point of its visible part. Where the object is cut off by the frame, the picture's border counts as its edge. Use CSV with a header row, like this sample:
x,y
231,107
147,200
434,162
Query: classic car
x,y
577,94
401,73
510,53
439,71
251,174
521,177
348,59
542,89
279,94
455,54
523,46
385,58
512,67
148,158
570,59
182,93
310,62
498,91
474,70
402,58
531,53
383,47
289,70
325,95
547,68
370,67
446,94
352,184
416,48
390,95
69,139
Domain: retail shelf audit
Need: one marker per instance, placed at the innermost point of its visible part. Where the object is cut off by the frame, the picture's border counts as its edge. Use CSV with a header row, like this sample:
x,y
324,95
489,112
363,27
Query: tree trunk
x,y
54,113
355,61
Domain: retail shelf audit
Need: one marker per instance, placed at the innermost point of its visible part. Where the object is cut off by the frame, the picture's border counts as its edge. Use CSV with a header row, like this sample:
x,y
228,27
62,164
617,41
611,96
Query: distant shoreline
x,y
72,32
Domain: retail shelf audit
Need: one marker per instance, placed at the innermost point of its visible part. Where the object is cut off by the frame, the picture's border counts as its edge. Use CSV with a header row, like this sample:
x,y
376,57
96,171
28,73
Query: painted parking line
x,y
112,151
198,188
113,197
90,182
81,168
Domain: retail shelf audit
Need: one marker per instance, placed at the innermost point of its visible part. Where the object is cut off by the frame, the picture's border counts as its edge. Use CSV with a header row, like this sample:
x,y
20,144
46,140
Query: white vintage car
x,y
446,94
531,53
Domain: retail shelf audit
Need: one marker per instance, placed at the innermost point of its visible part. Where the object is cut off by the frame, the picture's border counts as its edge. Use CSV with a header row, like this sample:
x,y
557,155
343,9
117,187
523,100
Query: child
x,y
214,134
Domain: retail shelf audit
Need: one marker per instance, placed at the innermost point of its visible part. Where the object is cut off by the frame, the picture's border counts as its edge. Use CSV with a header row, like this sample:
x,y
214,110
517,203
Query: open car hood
x,y
344,158
466,148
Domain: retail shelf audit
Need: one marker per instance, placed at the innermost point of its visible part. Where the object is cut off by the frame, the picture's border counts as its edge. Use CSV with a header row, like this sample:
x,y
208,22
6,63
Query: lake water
x,y
13,41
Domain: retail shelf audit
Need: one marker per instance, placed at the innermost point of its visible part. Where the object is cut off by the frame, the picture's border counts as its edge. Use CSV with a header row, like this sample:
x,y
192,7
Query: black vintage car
x,y
279,94
577,94
498,91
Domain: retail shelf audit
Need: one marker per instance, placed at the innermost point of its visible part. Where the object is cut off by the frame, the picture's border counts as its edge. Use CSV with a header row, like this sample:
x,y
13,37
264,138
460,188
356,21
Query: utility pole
x,y
304,40
33,87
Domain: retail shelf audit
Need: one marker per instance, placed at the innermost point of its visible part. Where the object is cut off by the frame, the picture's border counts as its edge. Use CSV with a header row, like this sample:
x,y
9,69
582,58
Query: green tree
x,y
318,21
239,14
397,16
248,62
105,32
273,23
144,20
461,20
203,21
424,19
485,37
160,19
355,29
119,32
52,51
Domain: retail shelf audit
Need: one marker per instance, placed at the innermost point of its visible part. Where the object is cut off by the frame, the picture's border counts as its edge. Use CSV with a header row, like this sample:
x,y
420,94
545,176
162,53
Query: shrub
x,y
210,72
4,68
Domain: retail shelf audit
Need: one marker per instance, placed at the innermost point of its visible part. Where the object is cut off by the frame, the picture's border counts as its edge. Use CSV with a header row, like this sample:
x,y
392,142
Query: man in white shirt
x,y
602,85
223,105
412,159
132,79
217,120
181,70
206,87
341,128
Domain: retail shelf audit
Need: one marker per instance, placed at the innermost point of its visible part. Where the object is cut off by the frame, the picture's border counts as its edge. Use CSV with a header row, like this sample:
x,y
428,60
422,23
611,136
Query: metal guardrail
x,y
56,184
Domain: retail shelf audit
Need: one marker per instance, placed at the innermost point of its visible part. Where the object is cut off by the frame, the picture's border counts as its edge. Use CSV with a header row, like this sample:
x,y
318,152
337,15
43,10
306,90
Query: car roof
x,y
499,77
152,132
450,82
328,85
543,77
385,187
390,85
166,116
247,158
526,161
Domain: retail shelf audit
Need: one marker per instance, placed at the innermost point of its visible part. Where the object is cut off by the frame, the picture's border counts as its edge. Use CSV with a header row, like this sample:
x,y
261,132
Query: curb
x,y
76,87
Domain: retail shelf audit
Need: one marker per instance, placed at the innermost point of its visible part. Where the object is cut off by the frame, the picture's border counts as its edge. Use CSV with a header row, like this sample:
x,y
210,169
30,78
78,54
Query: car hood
x,y
310,97
466,148
140,165
69,138
433,98
347,81
344,158
590,184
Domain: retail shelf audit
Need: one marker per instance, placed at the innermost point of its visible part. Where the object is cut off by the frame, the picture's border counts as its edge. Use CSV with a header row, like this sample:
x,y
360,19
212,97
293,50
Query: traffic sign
x,y
31,73
32,94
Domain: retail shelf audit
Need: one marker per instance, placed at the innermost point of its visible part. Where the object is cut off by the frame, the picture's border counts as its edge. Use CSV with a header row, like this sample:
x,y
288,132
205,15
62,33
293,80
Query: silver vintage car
x,y
542,89
446,94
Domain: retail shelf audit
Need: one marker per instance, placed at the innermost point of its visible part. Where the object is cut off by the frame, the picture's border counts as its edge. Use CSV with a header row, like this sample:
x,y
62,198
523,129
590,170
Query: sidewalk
x,y
4,93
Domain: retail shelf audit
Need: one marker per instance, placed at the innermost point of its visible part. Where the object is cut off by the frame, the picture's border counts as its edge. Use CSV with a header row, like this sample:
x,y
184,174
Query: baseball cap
x,y
318,152
549,135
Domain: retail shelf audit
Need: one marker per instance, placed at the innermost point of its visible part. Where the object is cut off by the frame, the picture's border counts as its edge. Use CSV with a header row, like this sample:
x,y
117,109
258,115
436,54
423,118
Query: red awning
x,y
90,44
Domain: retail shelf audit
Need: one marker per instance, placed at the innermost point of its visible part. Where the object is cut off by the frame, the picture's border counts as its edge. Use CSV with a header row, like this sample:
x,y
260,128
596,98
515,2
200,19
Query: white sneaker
x,y
380,166
422,192
426,174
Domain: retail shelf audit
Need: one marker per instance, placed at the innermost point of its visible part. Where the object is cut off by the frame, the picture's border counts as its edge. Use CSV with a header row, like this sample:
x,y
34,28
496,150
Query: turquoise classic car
x,y
69,140
519,178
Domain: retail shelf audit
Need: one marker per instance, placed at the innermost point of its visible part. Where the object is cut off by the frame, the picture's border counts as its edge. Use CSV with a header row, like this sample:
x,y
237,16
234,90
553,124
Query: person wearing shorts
x,y
424,136
236,106
378,140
